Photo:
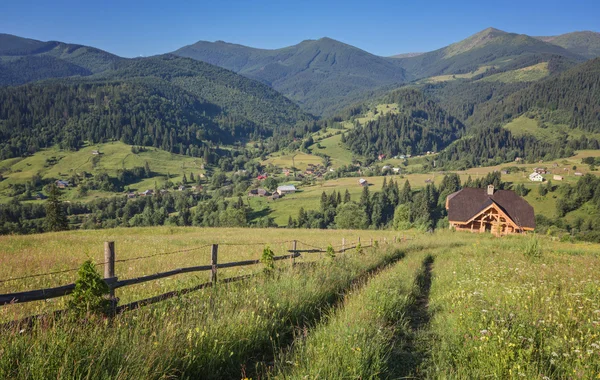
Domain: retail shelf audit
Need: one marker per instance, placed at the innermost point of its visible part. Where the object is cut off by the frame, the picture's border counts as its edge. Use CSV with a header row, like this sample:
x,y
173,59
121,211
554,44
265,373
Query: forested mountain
x,y
490,48
419,126
585,43
570,98
24,60
170,102
321,75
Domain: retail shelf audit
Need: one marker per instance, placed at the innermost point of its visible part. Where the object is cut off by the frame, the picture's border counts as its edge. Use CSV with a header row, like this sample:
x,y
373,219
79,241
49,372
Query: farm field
x,y
443,305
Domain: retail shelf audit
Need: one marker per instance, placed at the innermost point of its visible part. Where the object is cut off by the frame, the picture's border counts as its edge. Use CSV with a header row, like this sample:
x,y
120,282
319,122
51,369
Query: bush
x,y
90,291
330,251
267,260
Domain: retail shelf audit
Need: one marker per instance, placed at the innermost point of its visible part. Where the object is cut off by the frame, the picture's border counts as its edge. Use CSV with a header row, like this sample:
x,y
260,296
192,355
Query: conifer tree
x,y
56,217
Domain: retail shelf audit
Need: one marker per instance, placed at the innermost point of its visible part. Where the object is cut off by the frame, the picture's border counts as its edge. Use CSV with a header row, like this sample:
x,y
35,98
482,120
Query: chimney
x,y
490,190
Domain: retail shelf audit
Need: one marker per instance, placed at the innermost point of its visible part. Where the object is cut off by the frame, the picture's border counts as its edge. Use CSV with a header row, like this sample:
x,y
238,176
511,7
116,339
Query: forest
x,y
420,126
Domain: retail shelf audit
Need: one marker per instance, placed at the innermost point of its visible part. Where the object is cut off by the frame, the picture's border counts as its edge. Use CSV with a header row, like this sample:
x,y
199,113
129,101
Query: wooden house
x,y
363,182
62,184
286,189
501,212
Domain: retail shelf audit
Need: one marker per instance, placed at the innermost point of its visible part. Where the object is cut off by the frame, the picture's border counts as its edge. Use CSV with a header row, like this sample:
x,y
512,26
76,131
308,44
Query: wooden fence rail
x,y
114,283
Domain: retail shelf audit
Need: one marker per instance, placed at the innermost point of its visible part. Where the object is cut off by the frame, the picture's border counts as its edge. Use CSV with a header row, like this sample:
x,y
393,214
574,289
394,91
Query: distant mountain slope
x,y
570,98
321,75
585,43
420,125
24,60
491,47
169,102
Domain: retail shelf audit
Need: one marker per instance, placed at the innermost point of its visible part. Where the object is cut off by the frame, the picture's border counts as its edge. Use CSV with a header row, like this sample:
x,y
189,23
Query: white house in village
x,y
286,189
557,177
536,177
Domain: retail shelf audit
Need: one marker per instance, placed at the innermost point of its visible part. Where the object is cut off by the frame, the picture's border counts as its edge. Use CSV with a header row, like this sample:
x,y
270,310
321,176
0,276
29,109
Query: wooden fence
x,y
113,281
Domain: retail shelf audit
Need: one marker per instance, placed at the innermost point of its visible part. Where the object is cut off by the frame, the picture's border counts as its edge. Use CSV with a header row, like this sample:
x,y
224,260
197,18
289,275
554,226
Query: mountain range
x,y
217,92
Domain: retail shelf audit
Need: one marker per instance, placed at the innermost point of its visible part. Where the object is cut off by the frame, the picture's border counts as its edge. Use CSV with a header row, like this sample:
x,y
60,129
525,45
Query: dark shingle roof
x,y
468,202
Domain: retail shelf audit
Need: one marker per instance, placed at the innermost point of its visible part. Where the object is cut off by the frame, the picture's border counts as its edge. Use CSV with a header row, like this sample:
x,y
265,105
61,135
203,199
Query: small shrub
x,y
359,249
533,248
267,259
90,291
376,243
330,251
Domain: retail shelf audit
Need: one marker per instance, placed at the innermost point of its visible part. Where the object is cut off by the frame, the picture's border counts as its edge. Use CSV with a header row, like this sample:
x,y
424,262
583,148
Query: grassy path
x,y
356,340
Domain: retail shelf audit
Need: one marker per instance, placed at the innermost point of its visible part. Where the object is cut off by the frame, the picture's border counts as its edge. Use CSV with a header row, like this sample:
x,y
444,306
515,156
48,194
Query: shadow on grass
x,y
411,351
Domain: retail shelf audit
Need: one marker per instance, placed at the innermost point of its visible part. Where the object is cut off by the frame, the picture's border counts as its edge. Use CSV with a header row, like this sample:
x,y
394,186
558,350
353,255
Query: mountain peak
x,y
475,41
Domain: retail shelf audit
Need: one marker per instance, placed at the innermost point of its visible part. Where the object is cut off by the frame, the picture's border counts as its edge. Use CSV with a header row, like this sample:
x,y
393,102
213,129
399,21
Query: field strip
x,y
355,340
219,333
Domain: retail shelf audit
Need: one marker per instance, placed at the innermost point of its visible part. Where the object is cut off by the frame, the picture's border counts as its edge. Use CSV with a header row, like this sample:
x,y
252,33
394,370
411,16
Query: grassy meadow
x,y
444,305
115,156
23,255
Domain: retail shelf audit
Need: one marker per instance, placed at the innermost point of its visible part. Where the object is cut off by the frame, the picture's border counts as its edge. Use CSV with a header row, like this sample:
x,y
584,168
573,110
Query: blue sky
x,y
134,28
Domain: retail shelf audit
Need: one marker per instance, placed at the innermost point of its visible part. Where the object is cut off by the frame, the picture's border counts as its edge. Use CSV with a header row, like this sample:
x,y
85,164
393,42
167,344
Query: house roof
x,y
287,188
468,202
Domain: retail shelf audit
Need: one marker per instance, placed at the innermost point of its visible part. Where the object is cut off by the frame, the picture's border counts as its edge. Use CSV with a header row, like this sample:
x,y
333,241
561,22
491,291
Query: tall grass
x,y
499,314
218,333
355,340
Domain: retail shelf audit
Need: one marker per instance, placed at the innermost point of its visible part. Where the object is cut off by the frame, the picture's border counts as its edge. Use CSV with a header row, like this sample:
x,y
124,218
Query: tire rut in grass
x,y
409,355
254,368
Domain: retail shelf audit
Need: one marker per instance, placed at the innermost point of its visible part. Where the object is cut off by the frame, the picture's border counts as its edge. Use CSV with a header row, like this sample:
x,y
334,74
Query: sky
x,y
143,28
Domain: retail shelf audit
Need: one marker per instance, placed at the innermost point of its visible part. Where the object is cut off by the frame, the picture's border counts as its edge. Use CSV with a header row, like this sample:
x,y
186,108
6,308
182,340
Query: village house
x,y
286,189
131,195
536,177
261,177
396,170
381,157
258,193
181,187
275,196
62,184
363,182
540,170
501,212
557,177
147,193
578,174
40,196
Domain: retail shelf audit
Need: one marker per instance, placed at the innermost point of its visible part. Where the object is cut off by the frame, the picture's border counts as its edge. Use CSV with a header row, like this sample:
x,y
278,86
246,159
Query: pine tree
x,y
56,217
324,202
347,197
406,194
184,180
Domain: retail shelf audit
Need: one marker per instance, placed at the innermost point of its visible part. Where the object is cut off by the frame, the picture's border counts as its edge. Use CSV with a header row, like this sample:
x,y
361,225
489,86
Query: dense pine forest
x,y
420,126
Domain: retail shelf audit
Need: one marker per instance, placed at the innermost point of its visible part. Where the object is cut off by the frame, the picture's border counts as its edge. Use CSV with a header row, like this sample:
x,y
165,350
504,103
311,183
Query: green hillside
x,y
173,103
53,163
585,43
321,75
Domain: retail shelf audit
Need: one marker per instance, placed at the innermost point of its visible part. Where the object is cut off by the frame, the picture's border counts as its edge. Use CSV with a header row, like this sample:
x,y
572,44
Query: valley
x,y
290,206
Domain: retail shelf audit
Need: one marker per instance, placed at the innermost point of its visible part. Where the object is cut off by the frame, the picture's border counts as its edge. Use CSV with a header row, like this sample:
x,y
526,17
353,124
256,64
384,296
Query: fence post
x,y
293,252
359,240
371,242
213,261
109,269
